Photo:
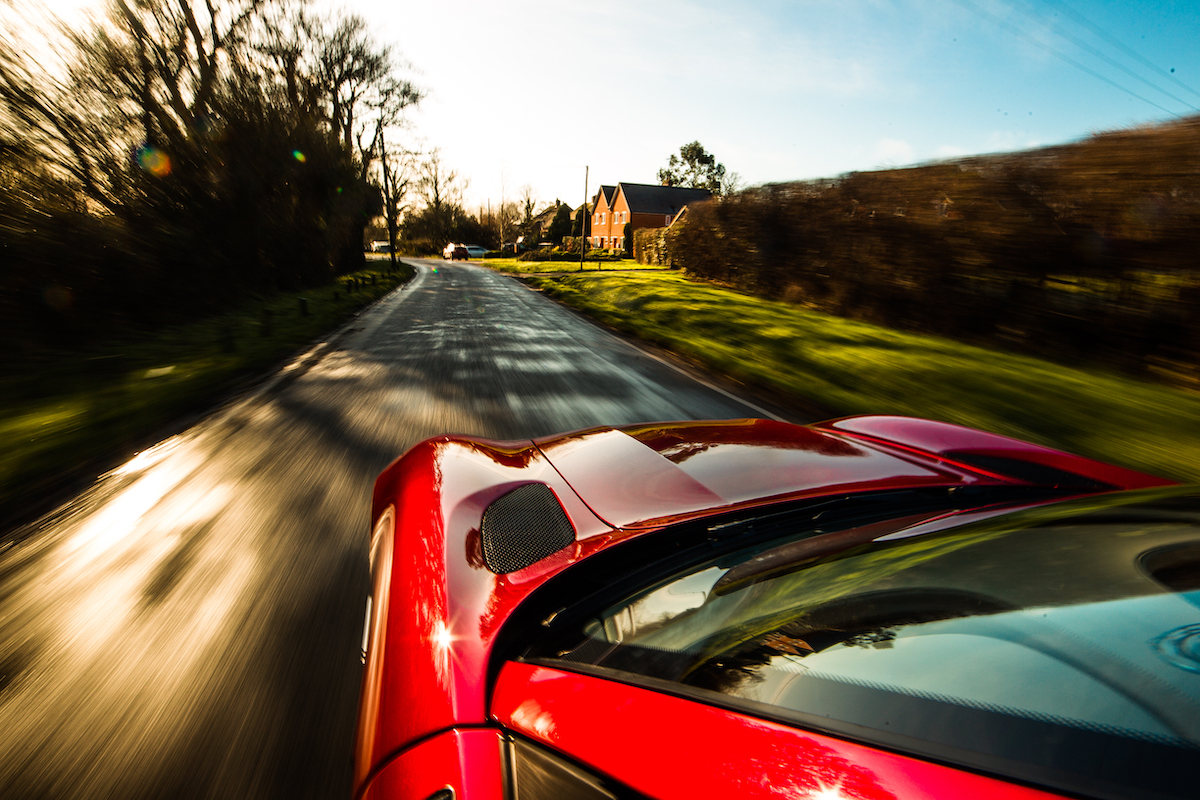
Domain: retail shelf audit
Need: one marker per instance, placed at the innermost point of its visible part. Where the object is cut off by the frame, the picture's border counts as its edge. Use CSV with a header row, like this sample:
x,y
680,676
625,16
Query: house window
x,y
601,219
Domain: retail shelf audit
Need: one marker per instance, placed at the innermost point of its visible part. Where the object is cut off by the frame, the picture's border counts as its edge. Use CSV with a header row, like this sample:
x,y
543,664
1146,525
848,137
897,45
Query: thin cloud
x,y
893,152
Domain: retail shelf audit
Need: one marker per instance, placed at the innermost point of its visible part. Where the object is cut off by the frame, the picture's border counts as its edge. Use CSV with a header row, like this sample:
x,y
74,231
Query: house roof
x,y
645,198
608,191
547,214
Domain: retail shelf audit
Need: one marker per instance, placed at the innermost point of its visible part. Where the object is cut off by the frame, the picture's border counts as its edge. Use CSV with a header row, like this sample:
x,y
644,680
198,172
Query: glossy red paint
x,y
468,762
647,476
436,606
634,735
643,486
382,554
943,440
436,609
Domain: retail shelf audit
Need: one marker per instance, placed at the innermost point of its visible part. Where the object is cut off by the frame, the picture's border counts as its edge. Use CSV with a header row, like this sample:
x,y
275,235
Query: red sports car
x,y
872,607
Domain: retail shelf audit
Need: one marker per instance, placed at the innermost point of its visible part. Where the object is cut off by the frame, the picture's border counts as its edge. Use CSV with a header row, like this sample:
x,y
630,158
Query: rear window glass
x,y
1059,646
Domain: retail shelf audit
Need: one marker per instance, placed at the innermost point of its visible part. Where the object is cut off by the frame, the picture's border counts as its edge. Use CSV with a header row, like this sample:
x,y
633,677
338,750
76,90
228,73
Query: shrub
x,y
1041,252
550,255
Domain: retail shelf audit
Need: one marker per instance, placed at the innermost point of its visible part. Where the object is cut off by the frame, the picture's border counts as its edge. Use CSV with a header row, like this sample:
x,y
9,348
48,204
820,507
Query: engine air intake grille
x,y
522,527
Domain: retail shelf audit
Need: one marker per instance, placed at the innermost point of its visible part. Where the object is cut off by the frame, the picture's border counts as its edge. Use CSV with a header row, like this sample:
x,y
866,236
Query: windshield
x,y
1053,645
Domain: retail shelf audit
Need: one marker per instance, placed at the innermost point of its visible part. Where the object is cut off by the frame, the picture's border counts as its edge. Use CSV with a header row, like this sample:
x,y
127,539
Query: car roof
x,y
613,485
677,471
672,471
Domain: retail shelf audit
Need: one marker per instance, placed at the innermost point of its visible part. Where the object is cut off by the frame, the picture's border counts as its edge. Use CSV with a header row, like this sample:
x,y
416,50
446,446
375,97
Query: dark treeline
x,y
1085,250
188,155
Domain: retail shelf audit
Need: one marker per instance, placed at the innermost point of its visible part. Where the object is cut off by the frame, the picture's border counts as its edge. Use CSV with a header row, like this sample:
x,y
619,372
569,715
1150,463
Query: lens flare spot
x,y
154,161
57,297
296,154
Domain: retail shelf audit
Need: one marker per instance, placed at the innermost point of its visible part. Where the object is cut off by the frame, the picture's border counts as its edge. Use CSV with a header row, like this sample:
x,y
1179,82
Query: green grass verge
x,y
524,267
75,411
851,367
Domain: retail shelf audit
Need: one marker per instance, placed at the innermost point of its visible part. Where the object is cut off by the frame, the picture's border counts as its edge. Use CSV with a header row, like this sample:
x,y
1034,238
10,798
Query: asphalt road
x,y
189,627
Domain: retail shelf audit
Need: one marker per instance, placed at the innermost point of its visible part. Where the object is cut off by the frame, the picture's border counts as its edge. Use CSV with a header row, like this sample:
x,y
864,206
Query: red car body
x,y
438,703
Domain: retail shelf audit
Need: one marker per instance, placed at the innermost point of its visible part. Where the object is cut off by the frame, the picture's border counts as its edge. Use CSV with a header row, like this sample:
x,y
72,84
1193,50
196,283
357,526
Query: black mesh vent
x,y
522,527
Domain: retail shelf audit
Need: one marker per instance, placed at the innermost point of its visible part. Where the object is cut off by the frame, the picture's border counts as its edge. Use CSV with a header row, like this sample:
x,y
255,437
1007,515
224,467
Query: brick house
x,y
641,205
602,215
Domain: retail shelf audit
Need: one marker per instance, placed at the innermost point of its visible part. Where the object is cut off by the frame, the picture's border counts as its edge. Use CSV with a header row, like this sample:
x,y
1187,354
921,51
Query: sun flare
x,y
823,792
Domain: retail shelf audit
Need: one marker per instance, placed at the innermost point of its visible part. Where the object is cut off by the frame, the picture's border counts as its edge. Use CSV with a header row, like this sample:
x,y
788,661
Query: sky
x,y
533,92
530,92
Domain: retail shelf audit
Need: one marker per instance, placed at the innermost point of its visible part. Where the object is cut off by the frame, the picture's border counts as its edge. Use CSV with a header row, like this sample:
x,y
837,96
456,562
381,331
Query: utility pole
x,y
583,220
500,218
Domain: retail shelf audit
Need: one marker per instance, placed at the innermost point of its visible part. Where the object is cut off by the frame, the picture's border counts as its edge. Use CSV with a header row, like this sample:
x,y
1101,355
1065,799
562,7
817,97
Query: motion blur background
x,y
979,210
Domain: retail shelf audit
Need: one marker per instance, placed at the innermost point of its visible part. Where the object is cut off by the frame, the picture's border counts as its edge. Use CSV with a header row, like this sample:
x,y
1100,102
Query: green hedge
x,y
1086,251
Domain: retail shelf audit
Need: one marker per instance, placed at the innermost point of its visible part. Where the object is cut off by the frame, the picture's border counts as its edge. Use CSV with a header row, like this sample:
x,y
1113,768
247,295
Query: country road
x,y
189,627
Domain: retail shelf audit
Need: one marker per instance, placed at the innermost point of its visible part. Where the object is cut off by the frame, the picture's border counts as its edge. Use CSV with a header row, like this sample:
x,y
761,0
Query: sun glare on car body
x,y
823,792
442,637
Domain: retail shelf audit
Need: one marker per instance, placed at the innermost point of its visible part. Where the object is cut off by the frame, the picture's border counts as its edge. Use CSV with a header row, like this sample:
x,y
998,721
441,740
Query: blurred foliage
x,y
1086,250
72,412
827,366
561,262
187,155
557,254
651,246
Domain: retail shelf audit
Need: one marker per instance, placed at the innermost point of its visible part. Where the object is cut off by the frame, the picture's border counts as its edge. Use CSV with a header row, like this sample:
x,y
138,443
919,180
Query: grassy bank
x,y
516,266
850,367
69,414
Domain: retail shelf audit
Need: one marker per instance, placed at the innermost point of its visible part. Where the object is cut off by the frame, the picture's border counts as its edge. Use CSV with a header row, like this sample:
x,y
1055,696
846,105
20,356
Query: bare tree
x,y
528,200
440,190
437,185
507,218
396,170
230,127
731,184
150,77
351,67
389,101
527,204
